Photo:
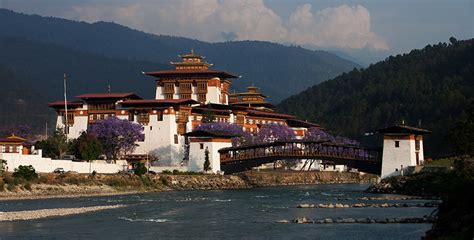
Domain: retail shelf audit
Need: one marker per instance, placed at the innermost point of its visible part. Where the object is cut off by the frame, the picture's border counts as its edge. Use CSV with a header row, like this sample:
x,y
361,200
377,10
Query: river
x,y
230,214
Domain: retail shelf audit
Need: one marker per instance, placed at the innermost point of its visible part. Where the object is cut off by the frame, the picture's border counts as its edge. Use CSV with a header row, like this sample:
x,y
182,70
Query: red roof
x,y
70,104
403,129
13,139
268,114
301,123
203,109
108,95
171,73
158,101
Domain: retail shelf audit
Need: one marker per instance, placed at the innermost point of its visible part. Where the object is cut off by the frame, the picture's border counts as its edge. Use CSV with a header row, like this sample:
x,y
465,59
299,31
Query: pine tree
x,y
207,163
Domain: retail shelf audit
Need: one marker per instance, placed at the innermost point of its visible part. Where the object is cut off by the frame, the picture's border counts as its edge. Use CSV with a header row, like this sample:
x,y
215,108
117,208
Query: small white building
x,y
201,141
402,148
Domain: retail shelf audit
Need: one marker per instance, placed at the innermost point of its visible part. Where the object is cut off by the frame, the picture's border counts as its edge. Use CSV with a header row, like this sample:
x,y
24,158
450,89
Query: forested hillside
x,y
277,69
31,75
433,86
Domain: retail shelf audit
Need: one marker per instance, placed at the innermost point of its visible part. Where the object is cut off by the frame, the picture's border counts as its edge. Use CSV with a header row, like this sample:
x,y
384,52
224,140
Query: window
x,y
176,139
159,116
143,118
397,144
201,145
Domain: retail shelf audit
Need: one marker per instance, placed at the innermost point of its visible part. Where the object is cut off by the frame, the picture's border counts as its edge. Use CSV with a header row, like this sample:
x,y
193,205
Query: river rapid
x,y
224,214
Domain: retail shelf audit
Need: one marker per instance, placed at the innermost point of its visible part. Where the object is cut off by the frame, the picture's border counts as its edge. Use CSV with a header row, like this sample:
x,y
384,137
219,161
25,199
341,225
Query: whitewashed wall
x,y
197,155
47,165
394,158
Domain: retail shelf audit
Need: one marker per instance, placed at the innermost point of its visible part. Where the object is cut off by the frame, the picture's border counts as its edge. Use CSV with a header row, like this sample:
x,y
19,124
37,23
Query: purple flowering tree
x,y
242,137
316,134
274,132
118,137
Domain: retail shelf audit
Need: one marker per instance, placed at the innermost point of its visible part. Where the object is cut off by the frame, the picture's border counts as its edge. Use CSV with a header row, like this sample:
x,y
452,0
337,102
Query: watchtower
x,y
402,148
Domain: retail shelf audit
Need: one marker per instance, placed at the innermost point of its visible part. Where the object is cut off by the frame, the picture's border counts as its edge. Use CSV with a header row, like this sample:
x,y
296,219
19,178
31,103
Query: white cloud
x,y
343,26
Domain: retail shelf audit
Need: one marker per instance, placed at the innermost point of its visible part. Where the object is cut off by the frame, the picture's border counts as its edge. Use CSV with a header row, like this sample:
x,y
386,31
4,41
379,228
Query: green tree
x,y
87,147
207,163
3,163
55,146
26,172
462,135
140,169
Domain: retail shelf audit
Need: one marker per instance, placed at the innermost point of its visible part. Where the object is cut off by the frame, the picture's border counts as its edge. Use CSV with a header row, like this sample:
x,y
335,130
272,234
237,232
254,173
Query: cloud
x,y
343,26
221,20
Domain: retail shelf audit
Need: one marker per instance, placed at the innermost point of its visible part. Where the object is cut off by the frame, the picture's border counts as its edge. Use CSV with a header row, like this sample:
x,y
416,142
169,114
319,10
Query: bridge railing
x,y
299,148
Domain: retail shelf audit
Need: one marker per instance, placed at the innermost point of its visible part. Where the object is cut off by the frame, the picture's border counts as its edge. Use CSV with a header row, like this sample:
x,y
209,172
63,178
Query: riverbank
x,y
78,185
455,216
52,212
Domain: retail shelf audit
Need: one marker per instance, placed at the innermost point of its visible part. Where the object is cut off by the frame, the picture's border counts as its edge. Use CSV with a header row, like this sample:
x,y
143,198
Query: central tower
x,y
192,79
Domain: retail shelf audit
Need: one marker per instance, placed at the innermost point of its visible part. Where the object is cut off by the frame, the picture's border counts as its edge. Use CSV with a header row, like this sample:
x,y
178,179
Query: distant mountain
x,y
19,104
31,75
433,86
277,69
40,67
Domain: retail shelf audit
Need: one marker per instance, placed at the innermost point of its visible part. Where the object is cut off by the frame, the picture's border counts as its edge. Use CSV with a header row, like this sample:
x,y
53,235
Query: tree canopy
x,y
117,137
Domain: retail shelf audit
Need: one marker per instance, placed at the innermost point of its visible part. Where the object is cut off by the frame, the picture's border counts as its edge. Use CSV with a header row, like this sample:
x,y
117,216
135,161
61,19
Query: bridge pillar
x,y
402,148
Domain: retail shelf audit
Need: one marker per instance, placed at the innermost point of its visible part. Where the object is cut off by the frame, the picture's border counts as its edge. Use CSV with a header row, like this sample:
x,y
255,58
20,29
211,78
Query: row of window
x,y
10,149
95,117
259,121
101,106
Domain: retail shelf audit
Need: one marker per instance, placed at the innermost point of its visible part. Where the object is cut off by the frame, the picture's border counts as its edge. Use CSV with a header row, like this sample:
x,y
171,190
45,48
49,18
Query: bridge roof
x,y
283,142
275,143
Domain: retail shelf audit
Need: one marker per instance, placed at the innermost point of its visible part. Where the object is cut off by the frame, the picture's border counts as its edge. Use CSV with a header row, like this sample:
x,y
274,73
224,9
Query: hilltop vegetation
x,y
433,86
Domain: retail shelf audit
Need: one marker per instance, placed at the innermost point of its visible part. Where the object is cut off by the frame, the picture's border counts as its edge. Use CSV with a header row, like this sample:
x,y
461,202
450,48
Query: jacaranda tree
x,y
274,132
316,134
117,137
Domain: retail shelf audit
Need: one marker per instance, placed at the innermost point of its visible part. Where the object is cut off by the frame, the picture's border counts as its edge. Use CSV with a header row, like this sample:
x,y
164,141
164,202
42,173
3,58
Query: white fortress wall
x,y
47,165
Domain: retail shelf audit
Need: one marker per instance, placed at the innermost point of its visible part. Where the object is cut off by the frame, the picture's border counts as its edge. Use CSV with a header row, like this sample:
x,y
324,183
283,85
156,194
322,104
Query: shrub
x,y
166,172
8,179
140,169
2,185
147,182
26,172
28,186
3,163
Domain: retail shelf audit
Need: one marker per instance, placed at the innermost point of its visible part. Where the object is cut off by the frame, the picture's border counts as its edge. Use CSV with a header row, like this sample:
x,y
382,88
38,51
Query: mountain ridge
x,y
117,41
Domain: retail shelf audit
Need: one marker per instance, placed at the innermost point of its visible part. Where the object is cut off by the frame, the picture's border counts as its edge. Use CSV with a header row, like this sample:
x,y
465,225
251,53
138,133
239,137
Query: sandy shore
x,y
54,212
44,191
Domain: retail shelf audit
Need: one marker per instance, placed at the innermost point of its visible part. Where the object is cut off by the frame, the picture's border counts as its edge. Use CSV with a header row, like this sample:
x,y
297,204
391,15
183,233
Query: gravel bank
x,y
54,212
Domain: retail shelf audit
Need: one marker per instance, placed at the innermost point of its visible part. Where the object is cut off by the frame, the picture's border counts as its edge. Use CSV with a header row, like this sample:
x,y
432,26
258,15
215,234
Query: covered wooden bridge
x,y
238,159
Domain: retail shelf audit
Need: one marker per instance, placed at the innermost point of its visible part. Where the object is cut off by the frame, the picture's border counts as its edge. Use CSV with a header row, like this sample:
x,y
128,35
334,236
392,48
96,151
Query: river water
x,y
230,214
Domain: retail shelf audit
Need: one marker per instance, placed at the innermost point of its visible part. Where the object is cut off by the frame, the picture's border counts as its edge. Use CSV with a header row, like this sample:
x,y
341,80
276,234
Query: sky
x,y
377,25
